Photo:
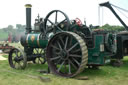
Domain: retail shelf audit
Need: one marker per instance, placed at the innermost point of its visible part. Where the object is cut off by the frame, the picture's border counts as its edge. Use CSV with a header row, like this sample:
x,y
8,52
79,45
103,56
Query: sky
x,y
12,12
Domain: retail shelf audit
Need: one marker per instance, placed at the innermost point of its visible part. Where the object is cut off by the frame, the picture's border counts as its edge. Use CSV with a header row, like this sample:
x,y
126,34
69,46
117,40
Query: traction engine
x,y
67,45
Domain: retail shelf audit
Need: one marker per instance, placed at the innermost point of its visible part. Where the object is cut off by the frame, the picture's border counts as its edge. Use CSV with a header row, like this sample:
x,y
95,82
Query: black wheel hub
x,y
18,59
64,55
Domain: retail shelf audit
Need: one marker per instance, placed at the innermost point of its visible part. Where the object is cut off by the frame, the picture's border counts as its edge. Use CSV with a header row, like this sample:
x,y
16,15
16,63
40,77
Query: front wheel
x,y
17,58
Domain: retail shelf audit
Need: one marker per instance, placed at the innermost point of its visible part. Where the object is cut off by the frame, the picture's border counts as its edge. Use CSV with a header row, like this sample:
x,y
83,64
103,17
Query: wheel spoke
x,y
74,55
55,58
51,22
16,53
76,61
37,51
73,46
59,45
61,66
40,61
62,21
70,41
53,46
61,40
77,50
57,53
41,51
56,18
72,64
66,42
58,28
69,70
34,51
65,67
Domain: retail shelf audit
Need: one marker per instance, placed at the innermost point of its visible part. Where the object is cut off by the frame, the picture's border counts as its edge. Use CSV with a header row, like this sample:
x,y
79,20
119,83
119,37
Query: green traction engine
x,y
68,46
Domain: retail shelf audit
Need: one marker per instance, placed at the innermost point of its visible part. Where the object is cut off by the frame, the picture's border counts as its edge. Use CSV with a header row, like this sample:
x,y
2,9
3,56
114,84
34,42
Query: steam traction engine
x,y
68,46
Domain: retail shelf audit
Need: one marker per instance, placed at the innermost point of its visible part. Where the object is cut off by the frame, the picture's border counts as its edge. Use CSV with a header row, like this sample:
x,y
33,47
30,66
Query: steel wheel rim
x,y
70,64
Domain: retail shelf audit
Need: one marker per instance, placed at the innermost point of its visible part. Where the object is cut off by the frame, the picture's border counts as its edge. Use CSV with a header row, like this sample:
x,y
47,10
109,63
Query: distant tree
x,y
16,33
112,27
10,27
4,29
20,27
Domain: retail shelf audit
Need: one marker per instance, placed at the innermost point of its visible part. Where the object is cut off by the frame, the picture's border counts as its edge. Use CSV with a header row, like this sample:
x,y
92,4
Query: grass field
x,y
106,75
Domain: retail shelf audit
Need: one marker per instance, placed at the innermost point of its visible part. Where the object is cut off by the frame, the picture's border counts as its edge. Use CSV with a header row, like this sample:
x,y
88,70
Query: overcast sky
x,y
12,12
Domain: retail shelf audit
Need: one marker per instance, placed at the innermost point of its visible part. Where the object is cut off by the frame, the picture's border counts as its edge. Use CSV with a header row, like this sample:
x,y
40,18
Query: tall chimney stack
x,y
28,18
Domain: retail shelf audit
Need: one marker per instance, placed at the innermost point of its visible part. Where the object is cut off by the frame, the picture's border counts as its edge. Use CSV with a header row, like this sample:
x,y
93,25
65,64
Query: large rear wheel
x,y
67,54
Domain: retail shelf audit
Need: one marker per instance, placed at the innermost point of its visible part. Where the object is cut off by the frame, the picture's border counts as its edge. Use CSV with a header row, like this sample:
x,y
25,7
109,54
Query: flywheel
x,y
67,54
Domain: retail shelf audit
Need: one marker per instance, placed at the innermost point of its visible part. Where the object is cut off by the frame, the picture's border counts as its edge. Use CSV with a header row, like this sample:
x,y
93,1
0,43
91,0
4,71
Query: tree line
x,y
14,32
116,28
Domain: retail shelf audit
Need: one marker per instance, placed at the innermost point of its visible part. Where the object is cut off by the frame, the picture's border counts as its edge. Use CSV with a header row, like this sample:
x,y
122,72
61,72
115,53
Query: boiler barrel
x,y
34,41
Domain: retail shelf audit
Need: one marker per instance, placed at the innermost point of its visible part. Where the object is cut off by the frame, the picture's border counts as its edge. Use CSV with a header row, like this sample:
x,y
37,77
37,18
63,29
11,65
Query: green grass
x,y
106,75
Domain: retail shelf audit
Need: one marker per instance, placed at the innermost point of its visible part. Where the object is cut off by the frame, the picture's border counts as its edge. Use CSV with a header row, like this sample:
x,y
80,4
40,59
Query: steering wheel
x,y
55,21
78,22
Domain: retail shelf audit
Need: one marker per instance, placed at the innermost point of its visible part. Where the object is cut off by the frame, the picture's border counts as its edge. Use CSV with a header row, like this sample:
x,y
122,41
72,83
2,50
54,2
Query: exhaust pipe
x,y
28,18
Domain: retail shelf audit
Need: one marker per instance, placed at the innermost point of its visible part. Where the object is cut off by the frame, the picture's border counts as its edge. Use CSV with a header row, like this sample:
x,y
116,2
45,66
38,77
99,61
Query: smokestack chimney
x,y
28,18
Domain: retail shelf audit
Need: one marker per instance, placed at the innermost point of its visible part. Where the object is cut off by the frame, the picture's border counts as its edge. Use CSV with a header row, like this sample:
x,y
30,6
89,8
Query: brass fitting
x,y
28,5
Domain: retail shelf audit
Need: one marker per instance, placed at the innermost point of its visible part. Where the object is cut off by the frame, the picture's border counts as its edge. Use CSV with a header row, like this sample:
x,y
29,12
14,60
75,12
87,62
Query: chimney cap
x,y
28,5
